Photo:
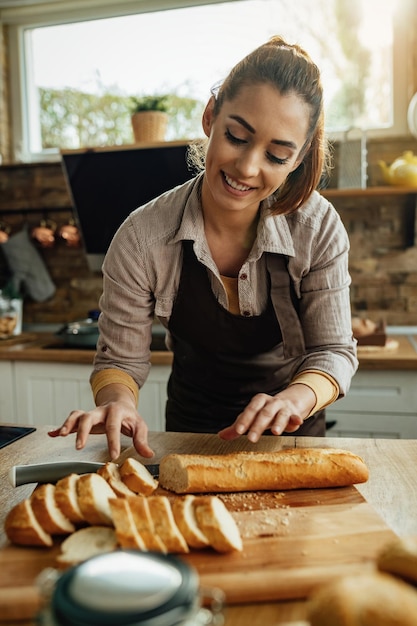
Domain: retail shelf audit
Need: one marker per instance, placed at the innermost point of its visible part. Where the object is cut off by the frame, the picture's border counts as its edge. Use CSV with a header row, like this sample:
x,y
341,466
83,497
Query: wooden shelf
x,y
410,202
368,191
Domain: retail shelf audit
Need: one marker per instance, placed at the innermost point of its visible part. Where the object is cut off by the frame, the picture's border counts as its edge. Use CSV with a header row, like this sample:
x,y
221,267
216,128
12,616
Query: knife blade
x,y
52,472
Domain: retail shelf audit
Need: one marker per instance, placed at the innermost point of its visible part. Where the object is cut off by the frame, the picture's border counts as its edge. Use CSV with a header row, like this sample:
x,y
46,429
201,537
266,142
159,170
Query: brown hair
x,y
289,69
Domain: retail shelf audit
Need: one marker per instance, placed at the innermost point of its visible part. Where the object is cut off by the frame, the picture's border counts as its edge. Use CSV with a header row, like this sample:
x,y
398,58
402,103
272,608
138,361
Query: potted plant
x,y
149,117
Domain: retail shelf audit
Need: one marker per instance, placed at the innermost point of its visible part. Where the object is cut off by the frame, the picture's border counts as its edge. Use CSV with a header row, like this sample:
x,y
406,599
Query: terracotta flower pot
x,y
149,126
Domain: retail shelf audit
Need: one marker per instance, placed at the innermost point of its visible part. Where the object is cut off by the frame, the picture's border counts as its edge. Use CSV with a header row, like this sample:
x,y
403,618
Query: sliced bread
x,y
110,472
67,500
143,521
165,526
93,493
135,475
22,527
126,531
85,543
217,523
184,515
47,511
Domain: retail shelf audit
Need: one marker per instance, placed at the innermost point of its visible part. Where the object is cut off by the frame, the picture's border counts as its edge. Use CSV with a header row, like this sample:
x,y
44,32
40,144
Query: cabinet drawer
x,y
375,425
380,392
48,393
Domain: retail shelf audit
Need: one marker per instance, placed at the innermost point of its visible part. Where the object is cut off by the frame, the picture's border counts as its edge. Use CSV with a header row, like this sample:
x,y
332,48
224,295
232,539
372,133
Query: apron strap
x,y
284,301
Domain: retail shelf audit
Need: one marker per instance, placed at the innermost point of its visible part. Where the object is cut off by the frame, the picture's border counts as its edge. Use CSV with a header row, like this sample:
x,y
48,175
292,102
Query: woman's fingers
x,y
229,433
111,419
140,441
263,413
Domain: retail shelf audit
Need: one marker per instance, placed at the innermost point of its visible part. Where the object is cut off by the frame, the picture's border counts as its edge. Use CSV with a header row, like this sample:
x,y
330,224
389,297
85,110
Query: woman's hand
x,y
115,414
284,412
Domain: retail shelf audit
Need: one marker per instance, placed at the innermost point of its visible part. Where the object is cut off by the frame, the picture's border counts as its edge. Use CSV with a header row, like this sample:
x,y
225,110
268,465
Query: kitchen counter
x,y
47,347
390,489
400,353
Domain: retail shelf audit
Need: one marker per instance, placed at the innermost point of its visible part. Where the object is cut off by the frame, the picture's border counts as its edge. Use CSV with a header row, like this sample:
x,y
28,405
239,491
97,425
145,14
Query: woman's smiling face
x,y
254,144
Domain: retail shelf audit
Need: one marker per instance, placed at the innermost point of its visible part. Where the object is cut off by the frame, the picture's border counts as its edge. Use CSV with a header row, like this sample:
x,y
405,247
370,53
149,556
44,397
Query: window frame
x,y
20,18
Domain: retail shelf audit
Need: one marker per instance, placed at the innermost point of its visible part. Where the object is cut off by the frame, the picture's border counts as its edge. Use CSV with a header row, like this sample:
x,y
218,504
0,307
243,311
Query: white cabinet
x,y
153,396
379,404
48,392
45,393
7,393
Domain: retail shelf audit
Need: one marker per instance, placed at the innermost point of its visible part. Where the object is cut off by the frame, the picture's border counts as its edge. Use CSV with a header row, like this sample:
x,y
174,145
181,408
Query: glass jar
x,y
128,588
8,317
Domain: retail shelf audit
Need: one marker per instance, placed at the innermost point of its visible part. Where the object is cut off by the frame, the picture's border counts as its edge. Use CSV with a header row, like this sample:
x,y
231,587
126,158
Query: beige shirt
x,y
142,269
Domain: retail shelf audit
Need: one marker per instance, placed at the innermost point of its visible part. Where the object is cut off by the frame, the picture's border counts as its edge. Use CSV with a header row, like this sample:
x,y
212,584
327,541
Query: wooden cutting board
x,y
292,541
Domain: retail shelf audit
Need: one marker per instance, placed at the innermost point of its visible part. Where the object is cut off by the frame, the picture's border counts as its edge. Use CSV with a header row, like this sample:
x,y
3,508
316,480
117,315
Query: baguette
x,y
85,543
143,521
22,527
126,531
93,493
110,472
369,599
47,511
137,477
67,499
165,525
399,558
298,468
217,524
184,514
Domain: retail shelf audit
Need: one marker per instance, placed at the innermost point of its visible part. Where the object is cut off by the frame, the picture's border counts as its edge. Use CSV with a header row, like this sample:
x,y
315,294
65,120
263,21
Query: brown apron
x,y
222,360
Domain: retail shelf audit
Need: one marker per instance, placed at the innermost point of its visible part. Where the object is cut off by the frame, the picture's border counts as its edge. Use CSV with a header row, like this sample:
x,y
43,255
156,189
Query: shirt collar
x,y
273,235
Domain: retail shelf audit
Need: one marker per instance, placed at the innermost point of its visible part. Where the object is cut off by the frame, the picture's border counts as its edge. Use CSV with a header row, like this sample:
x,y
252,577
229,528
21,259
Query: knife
x,y
52,472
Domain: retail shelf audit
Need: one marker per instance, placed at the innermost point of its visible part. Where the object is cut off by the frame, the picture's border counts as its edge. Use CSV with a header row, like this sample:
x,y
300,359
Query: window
x,y
74,71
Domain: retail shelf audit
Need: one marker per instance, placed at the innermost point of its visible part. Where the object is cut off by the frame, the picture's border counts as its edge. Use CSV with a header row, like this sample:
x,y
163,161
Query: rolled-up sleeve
x,y
322,282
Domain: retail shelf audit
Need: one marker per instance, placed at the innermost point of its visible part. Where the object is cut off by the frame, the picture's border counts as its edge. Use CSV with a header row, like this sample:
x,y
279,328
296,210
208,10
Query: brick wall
x,y
383,264
23,190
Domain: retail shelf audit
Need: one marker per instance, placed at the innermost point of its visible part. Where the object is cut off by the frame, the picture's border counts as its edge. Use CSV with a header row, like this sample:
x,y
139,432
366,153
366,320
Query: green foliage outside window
x,y
73,119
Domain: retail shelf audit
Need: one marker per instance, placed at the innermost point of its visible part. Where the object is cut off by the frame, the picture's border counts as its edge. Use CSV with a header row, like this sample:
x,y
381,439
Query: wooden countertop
x,y
390,489
39,347
400,353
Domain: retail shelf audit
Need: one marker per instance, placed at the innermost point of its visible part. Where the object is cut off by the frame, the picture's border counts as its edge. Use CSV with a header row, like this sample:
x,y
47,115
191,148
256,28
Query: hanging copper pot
x,y
44,234
70,234
4,232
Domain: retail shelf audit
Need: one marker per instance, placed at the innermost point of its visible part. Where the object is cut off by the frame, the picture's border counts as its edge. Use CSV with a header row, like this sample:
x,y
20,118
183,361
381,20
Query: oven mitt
x,y
29,273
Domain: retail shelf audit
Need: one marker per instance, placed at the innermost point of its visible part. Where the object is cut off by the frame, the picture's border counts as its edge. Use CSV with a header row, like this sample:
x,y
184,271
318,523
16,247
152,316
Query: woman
x,y
246,266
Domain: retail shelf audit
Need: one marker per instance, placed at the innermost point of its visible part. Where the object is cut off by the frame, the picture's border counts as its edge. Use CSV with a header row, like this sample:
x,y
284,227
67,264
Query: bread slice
x,y
22,527
143,521
110,472
295,468
126,531
217,523
135,475
47,511
93,493
67,500
184,515
399,557
85,543
165,526
366,599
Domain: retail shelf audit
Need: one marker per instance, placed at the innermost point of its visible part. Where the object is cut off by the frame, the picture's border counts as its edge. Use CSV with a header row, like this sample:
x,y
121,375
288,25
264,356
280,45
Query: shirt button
x,y
243,276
